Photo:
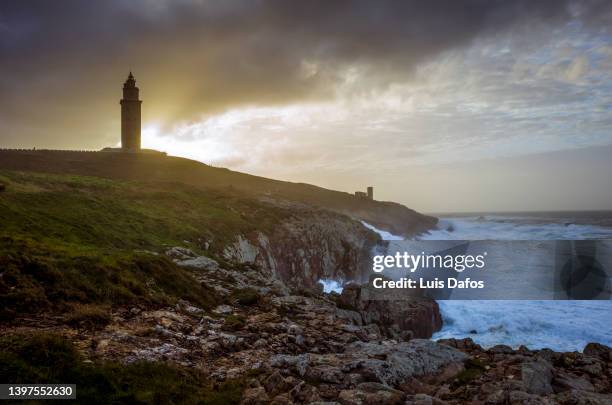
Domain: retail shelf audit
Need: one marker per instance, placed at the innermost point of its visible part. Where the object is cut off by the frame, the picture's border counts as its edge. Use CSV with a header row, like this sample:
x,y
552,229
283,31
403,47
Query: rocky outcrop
x,y
417,317
537,377
302,349
496,376
290,348
223,280
308,246
365,372
299,350
387,363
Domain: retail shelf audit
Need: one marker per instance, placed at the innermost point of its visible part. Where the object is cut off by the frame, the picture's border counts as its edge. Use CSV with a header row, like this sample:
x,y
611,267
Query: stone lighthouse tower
x,y
130,116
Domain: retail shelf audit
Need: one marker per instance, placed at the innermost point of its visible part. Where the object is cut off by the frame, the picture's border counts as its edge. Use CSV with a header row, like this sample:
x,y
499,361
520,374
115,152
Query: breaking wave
x,y
558,325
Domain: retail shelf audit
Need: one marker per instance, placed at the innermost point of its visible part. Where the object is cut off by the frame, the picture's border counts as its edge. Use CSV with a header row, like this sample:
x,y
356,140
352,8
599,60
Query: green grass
x,y
67,240
93,212
89,316
50,359
36,277
245,296
234,323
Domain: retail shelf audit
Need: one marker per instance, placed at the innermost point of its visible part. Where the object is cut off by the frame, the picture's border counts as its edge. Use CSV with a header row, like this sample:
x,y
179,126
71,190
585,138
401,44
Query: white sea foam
x,y
558,325
335,286
331,286
383,234
508,228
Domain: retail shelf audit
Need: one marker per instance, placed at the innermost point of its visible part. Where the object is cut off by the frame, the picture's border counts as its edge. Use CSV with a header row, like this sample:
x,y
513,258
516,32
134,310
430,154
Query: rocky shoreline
x,y
304,346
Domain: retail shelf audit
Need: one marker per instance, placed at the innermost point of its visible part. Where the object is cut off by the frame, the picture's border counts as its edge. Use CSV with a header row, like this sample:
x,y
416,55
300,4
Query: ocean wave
x,y
506,228
383,234
331,286
557,325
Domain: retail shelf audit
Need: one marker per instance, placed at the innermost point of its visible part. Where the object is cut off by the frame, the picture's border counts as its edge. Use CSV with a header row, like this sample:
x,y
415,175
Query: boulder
x,y
199,262
521,397
223,310
255,396
188,308
180,253
352,397
564,381
372,397
352,316
297,364
466,344
501,349
583,398
422,399
282,399
325,373
392,364
417,317
537,377
305,393
275,384
598,350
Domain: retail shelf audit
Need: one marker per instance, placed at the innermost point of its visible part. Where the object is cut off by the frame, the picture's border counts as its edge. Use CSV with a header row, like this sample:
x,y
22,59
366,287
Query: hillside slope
x,y
198,288
87,239
158,292
389,216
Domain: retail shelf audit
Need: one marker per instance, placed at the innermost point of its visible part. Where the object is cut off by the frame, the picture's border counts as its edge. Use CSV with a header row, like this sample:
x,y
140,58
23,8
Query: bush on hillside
x,y
246,296
89,317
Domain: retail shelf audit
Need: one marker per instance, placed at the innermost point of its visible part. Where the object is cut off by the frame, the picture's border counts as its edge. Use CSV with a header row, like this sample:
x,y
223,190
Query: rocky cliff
x,y
308,246
403,319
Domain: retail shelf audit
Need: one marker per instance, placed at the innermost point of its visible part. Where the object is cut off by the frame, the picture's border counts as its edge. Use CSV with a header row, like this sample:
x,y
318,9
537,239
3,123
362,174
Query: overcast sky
x,y
441,105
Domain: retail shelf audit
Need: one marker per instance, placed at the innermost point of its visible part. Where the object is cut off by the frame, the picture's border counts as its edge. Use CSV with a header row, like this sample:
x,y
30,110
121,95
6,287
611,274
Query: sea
x,y
559,325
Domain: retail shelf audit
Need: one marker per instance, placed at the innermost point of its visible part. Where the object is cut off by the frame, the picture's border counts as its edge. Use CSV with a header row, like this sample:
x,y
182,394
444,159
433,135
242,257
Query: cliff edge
x,y
389,216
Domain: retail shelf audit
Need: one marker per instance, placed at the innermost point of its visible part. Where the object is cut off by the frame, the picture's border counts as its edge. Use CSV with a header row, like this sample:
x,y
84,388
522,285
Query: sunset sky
x,y
440,105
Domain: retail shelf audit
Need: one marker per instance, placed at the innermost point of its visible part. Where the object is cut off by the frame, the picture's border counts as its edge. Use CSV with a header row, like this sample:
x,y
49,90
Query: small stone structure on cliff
x,y
369,195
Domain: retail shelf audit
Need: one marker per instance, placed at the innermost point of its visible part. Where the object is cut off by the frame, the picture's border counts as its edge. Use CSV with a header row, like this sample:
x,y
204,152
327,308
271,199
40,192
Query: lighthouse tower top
x,y
130,116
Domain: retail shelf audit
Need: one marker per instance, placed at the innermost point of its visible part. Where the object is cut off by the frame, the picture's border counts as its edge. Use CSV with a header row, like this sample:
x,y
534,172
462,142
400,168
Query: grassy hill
x,y
84,211
82,243
390,216
70,240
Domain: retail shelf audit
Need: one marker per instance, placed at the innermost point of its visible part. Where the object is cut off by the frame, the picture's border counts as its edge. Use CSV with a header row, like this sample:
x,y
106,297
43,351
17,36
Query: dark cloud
x,y
63,62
